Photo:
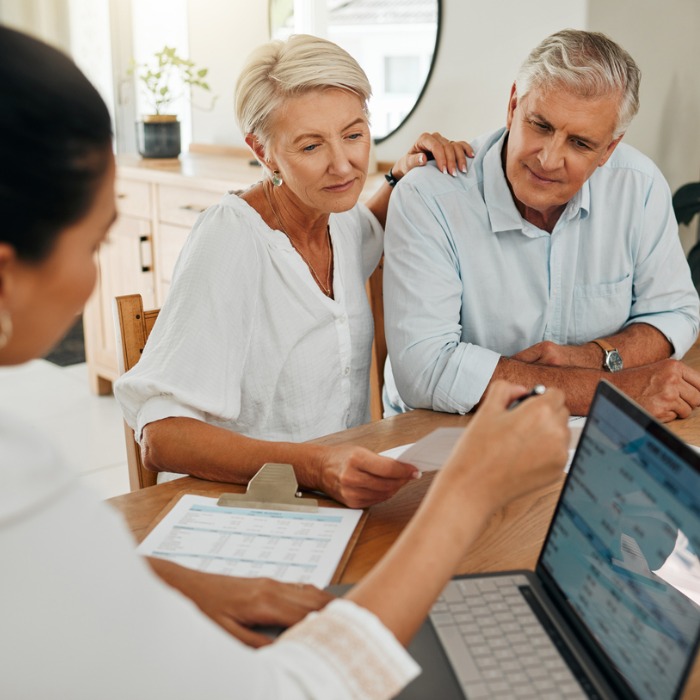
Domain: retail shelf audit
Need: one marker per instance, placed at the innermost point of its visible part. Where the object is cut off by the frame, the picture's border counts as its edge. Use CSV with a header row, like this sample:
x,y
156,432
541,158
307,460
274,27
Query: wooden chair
x,y
133,326
375,291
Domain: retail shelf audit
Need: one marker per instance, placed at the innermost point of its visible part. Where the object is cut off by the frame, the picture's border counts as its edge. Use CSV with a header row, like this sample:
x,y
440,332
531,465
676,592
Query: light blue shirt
x,y
467,279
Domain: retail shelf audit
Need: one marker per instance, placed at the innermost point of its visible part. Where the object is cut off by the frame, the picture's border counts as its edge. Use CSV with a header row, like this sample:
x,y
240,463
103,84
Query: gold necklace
x,y
327,288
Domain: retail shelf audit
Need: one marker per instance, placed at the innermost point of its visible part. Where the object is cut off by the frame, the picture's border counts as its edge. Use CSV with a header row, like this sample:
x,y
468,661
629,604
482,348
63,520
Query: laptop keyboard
x,y
496,644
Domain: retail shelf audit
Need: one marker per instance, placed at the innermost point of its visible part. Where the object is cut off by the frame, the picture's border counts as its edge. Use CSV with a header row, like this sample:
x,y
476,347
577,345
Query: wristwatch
x,y
612,362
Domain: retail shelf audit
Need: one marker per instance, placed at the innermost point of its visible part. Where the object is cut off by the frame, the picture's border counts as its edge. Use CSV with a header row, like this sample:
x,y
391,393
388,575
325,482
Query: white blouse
x,y
247,341
84,617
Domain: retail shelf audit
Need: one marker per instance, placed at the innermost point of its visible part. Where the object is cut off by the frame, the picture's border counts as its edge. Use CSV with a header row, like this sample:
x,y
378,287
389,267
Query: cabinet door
x,y
125,266
169,243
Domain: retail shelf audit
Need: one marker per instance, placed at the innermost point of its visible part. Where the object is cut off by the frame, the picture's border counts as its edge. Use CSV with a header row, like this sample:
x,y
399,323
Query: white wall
x,y
222,34
664,39
482,44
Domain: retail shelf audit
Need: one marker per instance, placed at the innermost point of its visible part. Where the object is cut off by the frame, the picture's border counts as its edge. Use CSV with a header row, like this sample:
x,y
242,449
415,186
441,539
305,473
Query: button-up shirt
x,y
247,341
467,279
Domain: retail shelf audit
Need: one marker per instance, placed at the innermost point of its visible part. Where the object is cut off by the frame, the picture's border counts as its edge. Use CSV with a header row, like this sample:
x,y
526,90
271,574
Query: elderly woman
x,y
82,616
264,340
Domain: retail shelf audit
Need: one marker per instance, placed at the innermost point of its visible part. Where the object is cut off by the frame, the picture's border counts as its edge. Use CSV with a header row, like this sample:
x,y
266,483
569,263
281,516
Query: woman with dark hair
x,y
82,615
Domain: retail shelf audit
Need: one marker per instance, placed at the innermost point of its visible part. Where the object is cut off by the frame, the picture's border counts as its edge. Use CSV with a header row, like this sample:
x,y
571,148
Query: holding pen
x,y
536,390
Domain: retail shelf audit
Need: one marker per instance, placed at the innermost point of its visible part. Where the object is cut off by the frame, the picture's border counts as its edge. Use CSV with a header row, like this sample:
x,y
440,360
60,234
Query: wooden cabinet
x,y
158,202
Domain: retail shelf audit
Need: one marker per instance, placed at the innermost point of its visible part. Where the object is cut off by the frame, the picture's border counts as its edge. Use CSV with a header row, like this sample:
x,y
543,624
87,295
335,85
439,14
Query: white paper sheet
x,y
288,546
429,453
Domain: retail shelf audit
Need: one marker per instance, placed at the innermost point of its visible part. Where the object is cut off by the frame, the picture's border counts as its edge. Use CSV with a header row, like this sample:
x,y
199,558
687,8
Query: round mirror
x,y
394,41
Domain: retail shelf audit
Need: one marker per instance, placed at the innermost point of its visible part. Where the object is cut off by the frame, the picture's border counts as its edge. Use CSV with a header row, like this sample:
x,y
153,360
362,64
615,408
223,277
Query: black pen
x,y
536,390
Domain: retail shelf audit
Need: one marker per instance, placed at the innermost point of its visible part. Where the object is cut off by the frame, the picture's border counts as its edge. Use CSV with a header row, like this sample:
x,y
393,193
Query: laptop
x,y
612,608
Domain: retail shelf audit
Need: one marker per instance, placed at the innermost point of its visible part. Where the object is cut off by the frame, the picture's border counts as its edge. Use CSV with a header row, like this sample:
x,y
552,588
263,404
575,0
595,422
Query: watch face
x,y
613,361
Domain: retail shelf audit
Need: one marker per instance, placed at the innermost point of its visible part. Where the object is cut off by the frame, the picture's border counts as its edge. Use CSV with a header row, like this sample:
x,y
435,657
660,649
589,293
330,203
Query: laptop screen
x,y
623,545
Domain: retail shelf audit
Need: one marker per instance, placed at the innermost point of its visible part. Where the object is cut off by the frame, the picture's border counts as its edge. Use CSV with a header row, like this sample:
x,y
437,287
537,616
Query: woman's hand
x,y
450,156
359,478
504,454
236,604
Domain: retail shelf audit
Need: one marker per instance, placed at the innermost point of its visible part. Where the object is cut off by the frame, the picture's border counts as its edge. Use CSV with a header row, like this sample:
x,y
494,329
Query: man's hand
x,y
236,604
360,478
668,389
588,355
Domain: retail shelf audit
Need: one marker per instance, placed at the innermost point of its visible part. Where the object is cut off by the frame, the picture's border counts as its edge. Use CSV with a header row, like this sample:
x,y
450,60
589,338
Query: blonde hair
x,y
278,70
589,64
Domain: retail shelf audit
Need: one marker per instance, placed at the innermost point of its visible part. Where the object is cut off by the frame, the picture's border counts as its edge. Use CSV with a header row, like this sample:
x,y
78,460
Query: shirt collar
x,y
503,213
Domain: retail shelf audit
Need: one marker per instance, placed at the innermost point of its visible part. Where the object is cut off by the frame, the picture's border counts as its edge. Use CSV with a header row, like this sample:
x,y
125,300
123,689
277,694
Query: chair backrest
x,y
133,326
375,290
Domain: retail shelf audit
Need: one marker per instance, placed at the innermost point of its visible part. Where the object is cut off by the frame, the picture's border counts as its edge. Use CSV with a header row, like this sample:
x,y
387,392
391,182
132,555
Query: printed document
x,y
290,546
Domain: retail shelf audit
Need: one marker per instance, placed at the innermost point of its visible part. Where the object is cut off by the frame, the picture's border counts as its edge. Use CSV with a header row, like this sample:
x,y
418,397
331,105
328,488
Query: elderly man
x,y
554,260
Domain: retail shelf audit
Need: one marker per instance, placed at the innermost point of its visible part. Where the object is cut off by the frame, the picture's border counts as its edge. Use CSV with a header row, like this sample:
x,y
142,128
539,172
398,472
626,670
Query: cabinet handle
x,y
193,207
147,259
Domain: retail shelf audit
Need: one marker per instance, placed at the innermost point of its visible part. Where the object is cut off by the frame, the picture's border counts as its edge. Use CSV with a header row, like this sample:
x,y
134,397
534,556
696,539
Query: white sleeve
x,y
84,617
197,340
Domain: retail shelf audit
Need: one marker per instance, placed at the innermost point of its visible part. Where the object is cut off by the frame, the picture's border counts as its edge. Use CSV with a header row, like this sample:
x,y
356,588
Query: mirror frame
x,y
438,31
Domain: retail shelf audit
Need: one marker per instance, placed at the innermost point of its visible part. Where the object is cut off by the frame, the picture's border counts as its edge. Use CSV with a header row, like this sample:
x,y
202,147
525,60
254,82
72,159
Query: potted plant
x,y
162,81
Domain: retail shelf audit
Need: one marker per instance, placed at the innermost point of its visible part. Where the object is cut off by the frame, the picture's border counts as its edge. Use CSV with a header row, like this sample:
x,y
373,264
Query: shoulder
x,y
228,233
627,159
356,224
231,222
31,469
429,182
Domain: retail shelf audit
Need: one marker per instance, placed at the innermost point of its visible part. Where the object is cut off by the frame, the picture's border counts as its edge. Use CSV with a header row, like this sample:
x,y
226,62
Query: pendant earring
x,y
277,178
5,328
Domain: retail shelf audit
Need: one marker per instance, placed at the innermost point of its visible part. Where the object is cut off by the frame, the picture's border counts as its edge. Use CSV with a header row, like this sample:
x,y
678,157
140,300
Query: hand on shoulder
x,y
449,156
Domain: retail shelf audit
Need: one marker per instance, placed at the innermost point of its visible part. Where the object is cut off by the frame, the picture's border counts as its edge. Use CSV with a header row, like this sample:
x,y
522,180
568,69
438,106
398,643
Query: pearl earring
x,y
277,178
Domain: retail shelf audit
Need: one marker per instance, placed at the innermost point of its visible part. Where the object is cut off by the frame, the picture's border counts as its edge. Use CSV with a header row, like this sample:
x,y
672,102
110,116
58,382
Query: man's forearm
x,y
577,383
640,344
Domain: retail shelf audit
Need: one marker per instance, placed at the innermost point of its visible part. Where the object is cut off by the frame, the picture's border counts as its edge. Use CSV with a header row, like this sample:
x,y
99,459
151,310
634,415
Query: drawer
x,y
182,205
134,198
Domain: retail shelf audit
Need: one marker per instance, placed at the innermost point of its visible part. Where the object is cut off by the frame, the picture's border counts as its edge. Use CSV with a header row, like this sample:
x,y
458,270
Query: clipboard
x,y
270,530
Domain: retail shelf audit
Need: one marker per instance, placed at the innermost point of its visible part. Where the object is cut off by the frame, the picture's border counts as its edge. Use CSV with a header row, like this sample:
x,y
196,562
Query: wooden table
x,y
512,539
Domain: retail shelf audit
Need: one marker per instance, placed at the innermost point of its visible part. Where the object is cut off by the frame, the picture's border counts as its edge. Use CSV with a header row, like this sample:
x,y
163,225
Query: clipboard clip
x,y
274,487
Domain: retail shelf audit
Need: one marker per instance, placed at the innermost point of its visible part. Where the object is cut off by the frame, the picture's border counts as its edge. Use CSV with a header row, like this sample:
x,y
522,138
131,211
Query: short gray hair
x,y
587,63
278,70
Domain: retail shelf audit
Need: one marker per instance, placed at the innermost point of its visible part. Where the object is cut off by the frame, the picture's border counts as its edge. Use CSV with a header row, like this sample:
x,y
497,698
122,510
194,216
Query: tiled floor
x,y
86,428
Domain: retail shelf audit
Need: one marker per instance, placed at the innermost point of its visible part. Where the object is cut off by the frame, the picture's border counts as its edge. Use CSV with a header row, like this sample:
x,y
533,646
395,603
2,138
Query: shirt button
x,y
342,319
346,371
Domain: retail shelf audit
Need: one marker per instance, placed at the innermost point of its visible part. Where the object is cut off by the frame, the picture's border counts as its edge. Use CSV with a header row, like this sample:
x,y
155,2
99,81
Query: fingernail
x,y
464,168
454,172
417,474
444,171
421,159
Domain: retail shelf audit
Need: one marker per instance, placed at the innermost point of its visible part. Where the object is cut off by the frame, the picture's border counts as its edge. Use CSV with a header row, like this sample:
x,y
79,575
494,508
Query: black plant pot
x,y
158,136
